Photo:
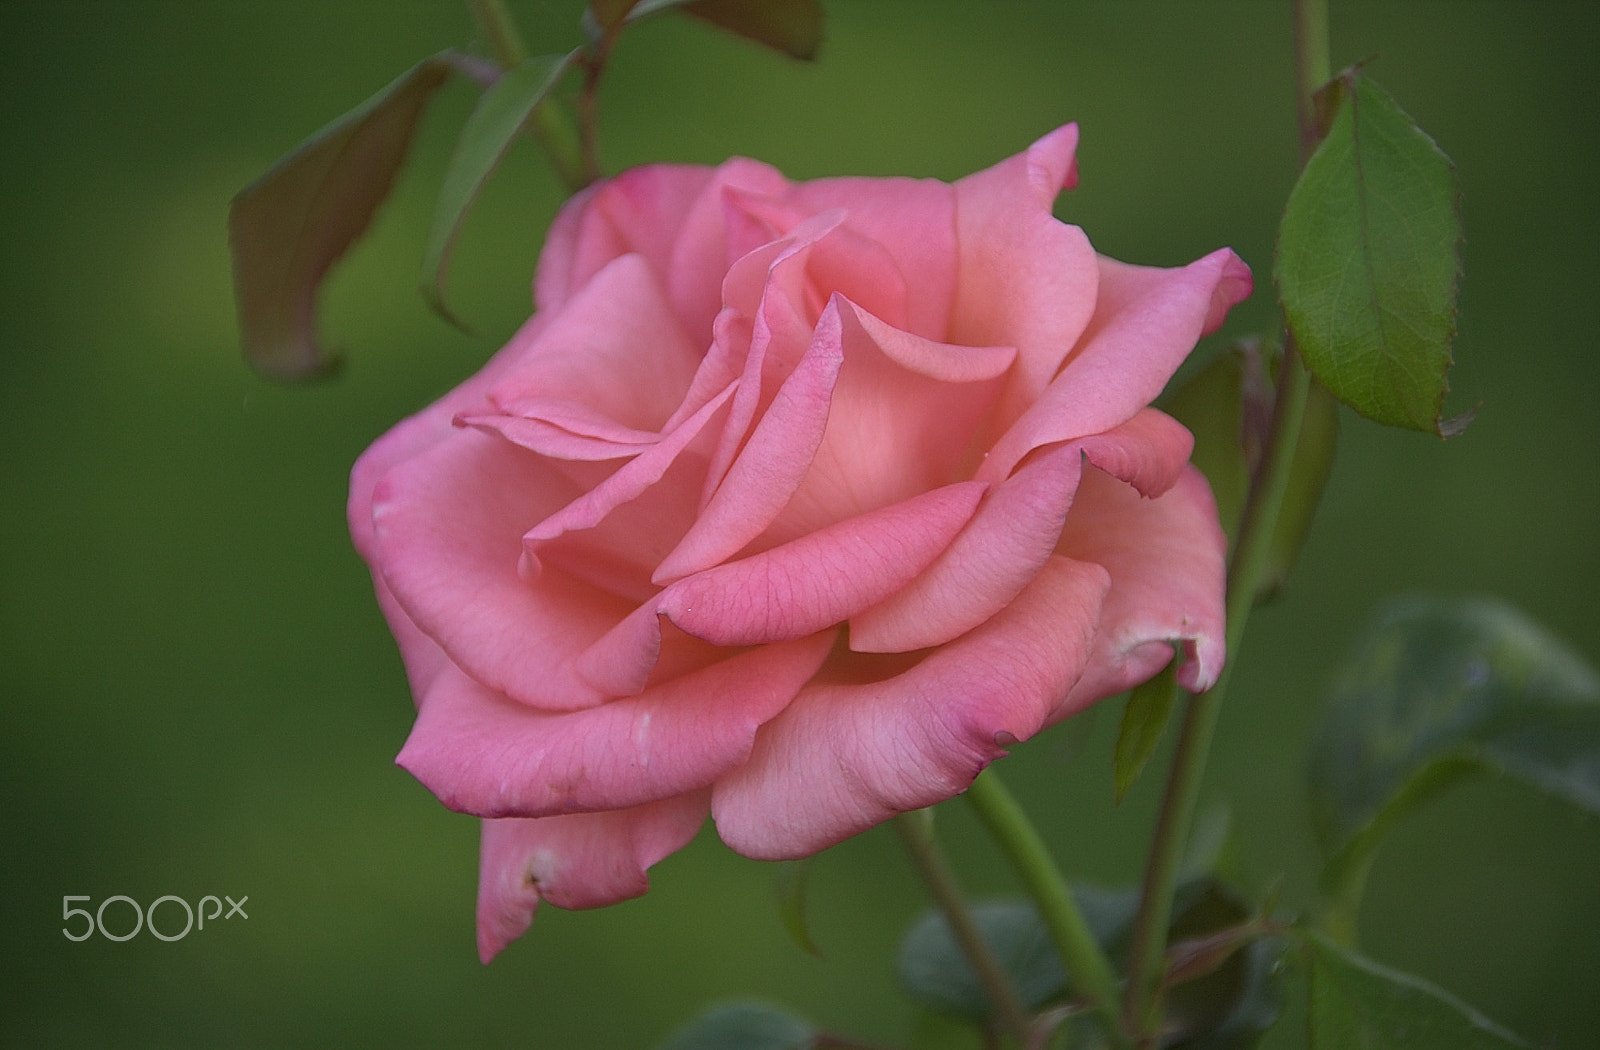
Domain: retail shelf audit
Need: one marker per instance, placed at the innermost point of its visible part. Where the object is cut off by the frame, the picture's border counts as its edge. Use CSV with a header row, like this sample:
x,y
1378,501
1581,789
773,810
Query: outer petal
x,y
1015,530
1167,560
844,757
1146,322
631,365
484,754
1024,279
639,211
448,530
581,860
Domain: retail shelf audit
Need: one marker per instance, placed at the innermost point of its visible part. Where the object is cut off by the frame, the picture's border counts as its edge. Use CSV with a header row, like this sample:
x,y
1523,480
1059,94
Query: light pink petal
x,y
641,534
845,756
630,365
1149,451
580,860
447,535
928,357
705,251
425,429
1167,560
821,579
906,416
563,430
998,554
484,754
1025,279
914,220
774,459
1147,321
1014,531
639,211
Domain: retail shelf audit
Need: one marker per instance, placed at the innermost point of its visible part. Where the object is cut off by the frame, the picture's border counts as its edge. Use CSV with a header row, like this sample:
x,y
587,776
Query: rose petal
x,y
914,220
906,416
645,508
561,430
1015,530
484,754
447,534
846,756
632,366
762,479
999,552
579,860
1025,279
823,578
1146,322
1167,560
639,211
704,250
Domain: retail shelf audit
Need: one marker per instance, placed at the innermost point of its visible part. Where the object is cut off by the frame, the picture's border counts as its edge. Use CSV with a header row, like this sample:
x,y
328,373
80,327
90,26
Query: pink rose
x,y
794,504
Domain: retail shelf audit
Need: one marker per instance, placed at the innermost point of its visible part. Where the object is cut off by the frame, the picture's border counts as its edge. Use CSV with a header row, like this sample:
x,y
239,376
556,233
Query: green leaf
x,y
791,892
1228,407
1437,690
935,972
1222,987
1143,721
744,1026
793,27
500,115
1356,1004
1367,260
288,228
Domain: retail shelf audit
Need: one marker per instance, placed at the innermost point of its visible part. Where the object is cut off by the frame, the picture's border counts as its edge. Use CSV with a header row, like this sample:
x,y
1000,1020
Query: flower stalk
x,y
552,128
1246,565
1088,971
916,834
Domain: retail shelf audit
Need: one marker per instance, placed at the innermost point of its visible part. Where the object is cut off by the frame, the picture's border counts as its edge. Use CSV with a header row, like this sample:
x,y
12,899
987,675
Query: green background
x,y
200,697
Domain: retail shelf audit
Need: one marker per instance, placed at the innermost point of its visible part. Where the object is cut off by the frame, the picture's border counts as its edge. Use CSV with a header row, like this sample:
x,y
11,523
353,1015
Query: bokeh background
x,y
200,697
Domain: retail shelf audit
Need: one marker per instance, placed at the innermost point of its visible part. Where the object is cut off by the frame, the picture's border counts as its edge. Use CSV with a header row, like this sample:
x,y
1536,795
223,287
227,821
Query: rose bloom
x,y
794,504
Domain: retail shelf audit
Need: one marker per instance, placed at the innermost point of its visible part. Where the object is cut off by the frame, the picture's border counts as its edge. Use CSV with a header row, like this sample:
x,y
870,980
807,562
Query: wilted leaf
x,y
288,228
1437,690
1367,260
1144,719
1355,1004
500,114
744,1026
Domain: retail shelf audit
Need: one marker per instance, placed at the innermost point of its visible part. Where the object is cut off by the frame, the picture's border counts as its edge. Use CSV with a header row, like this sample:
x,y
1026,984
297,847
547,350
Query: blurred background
x,y
201,698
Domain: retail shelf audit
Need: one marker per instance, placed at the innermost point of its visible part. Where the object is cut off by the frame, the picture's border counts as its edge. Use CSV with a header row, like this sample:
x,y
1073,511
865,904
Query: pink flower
x,y
794,504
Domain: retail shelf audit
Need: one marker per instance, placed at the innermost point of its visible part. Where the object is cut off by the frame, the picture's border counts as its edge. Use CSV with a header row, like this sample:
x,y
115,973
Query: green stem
x,y
1087,968
1142,1002
499,32
552,127
1141,1007
916,833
